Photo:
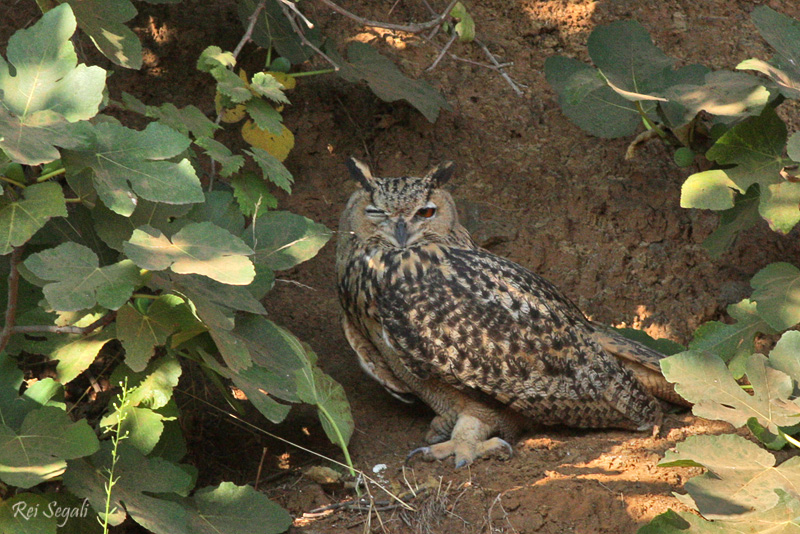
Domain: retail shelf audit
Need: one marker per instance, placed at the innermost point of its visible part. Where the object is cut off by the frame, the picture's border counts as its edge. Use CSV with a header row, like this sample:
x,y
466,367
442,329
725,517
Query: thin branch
x,y
410,28
303,38
13,292
293,7
445,48
515,86
251,24
54,329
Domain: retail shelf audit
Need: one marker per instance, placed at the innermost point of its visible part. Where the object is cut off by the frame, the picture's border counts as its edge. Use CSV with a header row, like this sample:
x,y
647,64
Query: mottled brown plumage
x,y
489,345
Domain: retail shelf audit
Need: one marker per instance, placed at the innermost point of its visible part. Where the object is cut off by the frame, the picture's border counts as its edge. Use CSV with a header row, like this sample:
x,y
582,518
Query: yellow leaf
x,y
234,114
287,81
277,145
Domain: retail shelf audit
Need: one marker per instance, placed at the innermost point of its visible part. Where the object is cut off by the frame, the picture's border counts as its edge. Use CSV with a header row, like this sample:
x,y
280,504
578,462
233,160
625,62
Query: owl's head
x,y
401,212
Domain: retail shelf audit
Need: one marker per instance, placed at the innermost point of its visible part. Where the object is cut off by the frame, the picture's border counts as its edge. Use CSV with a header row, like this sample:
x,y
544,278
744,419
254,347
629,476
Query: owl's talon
x,y
421,450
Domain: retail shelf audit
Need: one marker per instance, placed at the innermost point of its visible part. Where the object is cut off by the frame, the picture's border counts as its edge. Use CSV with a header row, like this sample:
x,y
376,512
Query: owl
x,y
493,348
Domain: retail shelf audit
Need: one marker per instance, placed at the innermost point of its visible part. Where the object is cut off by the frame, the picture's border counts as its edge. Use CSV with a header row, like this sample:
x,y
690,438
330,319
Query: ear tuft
x,y
360,171
442,173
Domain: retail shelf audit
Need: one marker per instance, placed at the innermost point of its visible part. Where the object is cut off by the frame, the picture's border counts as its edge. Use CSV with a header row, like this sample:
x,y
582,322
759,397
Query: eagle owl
x,y
490,346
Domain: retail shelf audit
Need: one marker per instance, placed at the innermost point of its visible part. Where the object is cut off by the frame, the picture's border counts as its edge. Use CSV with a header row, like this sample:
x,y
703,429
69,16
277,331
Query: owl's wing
x,y
481,322
644,362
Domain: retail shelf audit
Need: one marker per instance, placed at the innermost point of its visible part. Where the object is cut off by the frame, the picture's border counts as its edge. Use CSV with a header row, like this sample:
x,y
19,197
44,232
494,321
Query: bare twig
x,y
13,292
291,5
515,86
251,24
260,466
53,329
445,48
410,28
303,37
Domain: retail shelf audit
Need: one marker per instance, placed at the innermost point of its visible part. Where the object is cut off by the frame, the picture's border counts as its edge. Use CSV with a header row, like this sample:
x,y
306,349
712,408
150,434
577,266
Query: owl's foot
x,y
439,430
466,443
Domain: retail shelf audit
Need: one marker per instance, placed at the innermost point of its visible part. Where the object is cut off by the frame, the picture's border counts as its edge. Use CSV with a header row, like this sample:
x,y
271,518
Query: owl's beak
x,y
401,232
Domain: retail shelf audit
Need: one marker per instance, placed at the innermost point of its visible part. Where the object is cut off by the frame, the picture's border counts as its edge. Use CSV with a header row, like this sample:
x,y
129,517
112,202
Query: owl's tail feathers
x,y
643,361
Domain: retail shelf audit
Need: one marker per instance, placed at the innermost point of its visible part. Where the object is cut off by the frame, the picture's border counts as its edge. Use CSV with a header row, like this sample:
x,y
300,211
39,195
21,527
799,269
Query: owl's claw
x,y
465,452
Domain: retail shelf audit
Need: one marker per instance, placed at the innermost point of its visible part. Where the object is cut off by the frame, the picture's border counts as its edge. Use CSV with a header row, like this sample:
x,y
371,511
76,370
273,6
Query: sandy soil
x,y
609,232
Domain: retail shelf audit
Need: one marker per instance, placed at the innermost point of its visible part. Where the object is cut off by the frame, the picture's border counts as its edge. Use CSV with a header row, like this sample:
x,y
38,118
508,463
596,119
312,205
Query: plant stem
x,y
13,182
145,296
649,124
115,439
47,176
251,24
311,73
13,292
53,329
339,438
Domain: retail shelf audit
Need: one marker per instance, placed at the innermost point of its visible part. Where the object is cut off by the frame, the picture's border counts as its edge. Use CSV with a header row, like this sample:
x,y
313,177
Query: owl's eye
x,y
427,212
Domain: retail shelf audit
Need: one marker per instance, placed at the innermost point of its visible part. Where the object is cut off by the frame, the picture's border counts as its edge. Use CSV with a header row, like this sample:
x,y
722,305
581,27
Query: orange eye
x,y
426,213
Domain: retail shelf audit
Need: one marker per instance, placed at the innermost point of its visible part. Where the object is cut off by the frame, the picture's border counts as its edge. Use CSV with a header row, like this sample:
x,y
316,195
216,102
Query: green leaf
x,y
275,350
141,333
103,21
783,518
793,147
213,57
172,445
139,479
783,34
777,294
282,239
143,427
77,280
625,54
231,85
265,116
273,30
703,379
115,229
186,120
128,163
784,356
256,382
21,219
711,190
33,141
316,388
273,169
743,215
201,248
78,354
684,157
253,195
756,147
220,209
214,302
662,345
45,92
741,477
15,407
38,450
732,341
386,81
232,509
722,93
268,86
588,101
20,513
222,154
465,27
